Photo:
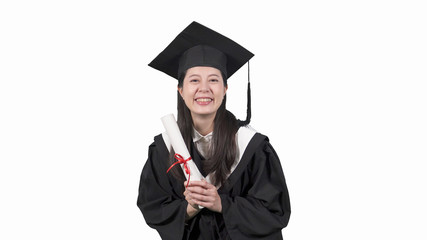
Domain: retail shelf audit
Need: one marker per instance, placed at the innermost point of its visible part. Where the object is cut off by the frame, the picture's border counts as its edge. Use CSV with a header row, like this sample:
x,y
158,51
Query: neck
x,y
204,124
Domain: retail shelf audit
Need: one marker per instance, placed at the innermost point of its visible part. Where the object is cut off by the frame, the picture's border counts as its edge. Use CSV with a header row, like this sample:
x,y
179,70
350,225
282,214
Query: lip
x,y
203,100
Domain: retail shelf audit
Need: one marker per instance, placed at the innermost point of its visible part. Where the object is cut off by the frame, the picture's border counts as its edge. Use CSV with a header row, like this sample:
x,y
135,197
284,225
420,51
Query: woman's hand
x,y
189,199
192,208
203,194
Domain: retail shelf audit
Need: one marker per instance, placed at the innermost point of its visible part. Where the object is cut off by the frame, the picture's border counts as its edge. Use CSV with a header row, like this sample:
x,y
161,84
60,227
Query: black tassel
x,y
248,110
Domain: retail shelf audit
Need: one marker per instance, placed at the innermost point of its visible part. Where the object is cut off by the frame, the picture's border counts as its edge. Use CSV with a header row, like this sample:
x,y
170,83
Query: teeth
x,y
203,99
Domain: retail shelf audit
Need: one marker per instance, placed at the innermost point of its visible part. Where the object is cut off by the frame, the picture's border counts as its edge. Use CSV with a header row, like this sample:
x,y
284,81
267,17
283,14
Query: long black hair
x,y
223,150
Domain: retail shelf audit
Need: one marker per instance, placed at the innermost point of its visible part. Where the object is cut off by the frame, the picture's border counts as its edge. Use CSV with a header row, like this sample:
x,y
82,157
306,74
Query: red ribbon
x,y
181,160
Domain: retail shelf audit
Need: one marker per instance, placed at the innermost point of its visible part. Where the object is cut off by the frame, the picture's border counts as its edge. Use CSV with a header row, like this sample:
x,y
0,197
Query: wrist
x,y
191,211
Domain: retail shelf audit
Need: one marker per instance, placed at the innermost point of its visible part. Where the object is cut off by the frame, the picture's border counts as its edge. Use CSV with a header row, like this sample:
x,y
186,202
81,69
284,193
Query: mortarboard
x,y
198,45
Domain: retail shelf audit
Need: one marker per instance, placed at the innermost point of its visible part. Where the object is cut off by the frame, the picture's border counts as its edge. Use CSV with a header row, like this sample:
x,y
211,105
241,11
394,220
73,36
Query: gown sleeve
x,y
262,209
163,207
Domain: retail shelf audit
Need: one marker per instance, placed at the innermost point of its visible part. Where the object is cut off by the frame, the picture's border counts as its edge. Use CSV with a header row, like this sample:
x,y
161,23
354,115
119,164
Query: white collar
x,y
197,136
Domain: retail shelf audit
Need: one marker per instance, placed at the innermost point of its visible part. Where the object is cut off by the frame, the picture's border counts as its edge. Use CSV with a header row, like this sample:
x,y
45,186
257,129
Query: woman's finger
x,y
202,184
202,198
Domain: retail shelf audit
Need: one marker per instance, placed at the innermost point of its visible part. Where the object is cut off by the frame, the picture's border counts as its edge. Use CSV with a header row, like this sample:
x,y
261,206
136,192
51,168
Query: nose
x,y
204,86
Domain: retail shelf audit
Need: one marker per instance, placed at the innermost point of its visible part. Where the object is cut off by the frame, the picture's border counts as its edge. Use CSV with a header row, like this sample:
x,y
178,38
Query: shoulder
x,y
255,144
259,147
249,141
248,135
160,143
158,153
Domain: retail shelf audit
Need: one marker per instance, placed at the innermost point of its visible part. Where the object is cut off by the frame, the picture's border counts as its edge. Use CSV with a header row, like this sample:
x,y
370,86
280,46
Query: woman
x,y
244,195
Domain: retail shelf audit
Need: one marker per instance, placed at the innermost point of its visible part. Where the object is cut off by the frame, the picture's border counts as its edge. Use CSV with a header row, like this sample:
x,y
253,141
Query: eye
x,y
214,80
194,80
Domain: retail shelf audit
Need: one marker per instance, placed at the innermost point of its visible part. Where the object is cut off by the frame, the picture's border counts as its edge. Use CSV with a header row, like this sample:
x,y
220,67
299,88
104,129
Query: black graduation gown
x,y
255,200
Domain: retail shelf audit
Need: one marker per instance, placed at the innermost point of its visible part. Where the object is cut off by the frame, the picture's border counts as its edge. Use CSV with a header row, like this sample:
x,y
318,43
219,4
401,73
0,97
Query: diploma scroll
x,y
179,146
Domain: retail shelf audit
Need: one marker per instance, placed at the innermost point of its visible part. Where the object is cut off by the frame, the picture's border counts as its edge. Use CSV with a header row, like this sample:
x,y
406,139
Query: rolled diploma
x,y
179,146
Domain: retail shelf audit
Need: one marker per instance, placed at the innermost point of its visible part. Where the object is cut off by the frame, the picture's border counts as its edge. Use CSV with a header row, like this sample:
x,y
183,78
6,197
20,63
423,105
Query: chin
x,y
204,113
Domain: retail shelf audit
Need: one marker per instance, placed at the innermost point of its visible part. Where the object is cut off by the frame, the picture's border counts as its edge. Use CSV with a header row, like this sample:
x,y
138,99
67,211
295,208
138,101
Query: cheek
x,y
186,97
187,94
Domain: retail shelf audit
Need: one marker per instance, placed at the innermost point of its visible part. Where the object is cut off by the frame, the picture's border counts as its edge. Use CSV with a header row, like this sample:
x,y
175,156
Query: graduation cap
x,y
198,45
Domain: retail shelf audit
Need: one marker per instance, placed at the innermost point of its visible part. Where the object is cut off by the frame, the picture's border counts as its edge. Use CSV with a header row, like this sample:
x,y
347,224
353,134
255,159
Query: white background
x,y
338,86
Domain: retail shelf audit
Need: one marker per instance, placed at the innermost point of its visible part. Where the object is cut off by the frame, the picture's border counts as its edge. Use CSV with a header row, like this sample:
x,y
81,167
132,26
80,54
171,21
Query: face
x,y
203,91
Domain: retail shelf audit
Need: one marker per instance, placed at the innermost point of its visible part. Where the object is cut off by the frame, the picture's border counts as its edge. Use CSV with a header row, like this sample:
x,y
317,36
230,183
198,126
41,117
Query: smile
x,y
204,100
